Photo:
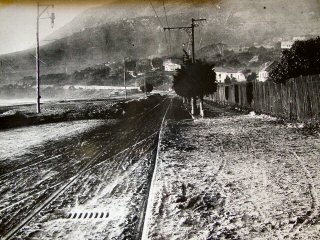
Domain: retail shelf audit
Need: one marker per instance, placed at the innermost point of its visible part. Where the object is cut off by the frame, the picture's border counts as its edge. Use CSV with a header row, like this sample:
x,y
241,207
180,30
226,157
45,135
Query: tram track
x,y
145,214
39,161
96,160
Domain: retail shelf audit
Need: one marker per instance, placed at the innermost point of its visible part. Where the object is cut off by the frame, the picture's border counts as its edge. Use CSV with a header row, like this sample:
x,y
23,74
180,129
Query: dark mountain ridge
x,y
111,32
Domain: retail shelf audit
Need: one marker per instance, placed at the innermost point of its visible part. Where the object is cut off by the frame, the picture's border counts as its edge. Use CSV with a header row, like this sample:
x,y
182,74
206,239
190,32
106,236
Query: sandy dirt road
x,y
236,176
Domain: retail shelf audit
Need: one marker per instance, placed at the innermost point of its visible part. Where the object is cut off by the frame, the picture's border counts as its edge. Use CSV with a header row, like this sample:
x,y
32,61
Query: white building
x,y
286,44
170,66
223,73
299,38
264,71
254,59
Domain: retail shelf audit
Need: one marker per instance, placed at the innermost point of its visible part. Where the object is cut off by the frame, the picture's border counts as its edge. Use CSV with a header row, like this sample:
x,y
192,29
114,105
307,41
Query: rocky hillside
x,y
247,58
111,32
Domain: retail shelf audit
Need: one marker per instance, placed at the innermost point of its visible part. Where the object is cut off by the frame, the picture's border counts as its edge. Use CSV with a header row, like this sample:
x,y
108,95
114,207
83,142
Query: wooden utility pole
x,y
124,78
52,17
145,85
38,62
193,25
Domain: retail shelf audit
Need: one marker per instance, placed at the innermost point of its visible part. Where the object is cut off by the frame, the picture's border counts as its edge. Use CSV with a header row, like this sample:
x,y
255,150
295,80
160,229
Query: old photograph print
x,y
160,119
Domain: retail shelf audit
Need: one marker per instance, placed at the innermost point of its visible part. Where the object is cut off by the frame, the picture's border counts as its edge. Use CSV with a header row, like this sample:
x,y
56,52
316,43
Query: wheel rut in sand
x,y
314,196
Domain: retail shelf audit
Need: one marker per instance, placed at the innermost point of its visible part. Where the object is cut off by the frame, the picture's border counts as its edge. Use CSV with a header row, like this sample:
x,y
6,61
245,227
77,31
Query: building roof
x,y
227,70
254,59
267,66
172,60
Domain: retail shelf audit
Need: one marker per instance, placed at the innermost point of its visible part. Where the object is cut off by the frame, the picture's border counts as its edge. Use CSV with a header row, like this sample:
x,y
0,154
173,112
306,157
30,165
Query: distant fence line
x,y
298,99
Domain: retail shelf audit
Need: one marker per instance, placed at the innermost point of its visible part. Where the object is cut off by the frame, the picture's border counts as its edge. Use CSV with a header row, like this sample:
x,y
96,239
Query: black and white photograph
x,y
160,119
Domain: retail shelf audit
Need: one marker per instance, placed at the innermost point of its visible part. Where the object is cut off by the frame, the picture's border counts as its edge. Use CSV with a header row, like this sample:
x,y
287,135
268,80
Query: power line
x,y
165,13
156,14
200,41
302,21
11,66
188,28
165,36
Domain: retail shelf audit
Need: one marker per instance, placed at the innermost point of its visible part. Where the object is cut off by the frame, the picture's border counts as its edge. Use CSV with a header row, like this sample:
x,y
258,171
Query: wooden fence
x,y
298,99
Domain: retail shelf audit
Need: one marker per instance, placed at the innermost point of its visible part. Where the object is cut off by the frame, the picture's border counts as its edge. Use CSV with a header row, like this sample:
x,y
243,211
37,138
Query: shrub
x,y
149,87
302,59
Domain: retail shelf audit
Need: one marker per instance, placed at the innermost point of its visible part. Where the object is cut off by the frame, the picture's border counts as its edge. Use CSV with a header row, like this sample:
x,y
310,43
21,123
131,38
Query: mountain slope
x,y
111,32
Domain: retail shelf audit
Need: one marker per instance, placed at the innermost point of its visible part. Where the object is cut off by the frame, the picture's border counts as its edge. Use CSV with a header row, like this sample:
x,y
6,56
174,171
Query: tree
x,y
303,58
229,80
157,62
149,87
251,77
130,65
143,65
195,80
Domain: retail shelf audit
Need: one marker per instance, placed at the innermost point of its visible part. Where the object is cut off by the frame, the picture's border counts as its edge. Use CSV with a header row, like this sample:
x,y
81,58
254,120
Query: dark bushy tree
x,y
92,75
251,77
302,59
130,65
157,62
149,87
195,80
229,80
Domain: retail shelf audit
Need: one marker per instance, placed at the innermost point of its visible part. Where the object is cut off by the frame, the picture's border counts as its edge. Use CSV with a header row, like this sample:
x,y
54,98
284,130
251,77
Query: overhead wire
x,y
165,13
5,62
200,33
156,14
154,10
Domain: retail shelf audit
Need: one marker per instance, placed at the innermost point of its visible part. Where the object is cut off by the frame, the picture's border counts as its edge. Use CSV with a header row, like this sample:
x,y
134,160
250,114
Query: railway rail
x,y
94,161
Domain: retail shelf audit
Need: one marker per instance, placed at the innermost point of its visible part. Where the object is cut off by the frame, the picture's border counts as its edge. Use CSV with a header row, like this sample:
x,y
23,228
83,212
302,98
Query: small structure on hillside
x,y
223,73
265,70
254,59
171,65
288,44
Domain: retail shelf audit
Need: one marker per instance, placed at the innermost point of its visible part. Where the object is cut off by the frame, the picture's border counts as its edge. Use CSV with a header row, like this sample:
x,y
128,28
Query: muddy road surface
x,y
236,176
89,185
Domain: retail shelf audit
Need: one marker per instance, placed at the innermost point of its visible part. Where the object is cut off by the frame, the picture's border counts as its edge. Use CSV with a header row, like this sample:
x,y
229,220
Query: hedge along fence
x,y
298,99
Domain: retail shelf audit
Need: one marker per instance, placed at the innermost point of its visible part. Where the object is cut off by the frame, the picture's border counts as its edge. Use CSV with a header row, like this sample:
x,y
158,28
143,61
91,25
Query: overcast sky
x,y
18,24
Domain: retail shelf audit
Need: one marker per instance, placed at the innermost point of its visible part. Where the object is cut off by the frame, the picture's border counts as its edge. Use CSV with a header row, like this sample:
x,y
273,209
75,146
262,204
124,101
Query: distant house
x,y
171,65
223,73
132,74
264,71
299,38
254,59
286,44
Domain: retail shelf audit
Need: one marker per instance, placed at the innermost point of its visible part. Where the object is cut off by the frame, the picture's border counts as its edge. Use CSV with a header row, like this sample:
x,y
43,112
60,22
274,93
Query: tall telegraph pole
x,y
124,78
52,17
193,25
